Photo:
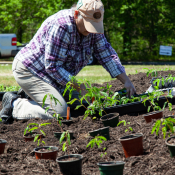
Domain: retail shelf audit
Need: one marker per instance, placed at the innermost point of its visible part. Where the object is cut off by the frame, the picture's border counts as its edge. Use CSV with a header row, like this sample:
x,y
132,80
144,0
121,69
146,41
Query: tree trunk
x,y
19,34
126,41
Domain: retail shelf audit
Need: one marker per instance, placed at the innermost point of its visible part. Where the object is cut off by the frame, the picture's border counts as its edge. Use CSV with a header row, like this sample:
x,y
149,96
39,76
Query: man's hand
x,y
127,84
83,89
129,88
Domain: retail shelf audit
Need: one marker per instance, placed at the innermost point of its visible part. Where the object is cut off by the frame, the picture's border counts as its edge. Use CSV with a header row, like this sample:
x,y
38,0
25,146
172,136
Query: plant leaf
x,y
62,137
44,99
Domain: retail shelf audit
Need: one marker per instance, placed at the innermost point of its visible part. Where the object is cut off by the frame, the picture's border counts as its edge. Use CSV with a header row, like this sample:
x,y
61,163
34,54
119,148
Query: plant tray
x,y
135,107
167,85
2,93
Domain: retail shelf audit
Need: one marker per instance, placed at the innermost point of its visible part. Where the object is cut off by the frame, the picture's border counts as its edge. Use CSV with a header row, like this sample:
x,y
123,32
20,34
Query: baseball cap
x,y
92,12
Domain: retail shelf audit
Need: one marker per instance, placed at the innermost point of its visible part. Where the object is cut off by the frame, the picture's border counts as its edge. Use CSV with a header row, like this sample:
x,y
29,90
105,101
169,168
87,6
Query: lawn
x,y
95,73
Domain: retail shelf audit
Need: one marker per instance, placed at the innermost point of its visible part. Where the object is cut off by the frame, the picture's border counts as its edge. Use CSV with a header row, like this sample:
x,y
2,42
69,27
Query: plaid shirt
x,y
57,51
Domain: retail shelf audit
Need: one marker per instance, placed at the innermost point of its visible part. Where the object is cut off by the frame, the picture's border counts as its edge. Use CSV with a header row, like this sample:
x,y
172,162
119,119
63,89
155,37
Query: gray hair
x,y
74,7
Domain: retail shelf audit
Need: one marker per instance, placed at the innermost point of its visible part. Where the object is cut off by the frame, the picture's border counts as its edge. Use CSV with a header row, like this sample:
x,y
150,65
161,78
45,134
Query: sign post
x,y
165,50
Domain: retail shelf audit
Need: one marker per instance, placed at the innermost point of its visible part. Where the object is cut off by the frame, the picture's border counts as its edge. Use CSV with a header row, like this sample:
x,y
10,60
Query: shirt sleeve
x,y
56,47
107,56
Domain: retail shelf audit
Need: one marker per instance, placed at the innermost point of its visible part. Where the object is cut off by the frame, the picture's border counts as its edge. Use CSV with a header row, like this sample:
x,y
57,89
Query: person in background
x,y
59,50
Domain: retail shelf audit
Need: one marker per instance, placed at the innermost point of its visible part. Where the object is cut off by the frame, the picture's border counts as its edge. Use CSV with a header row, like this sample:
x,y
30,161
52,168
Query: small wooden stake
x,y
93,99
68,113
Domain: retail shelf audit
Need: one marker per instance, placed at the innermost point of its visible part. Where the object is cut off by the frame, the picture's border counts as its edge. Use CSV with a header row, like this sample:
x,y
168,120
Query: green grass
x,y
95,74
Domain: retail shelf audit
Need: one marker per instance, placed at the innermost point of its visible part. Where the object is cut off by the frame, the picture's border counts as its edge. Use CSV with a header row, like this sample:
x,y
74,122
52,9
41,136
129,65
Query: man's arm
x,y
109,59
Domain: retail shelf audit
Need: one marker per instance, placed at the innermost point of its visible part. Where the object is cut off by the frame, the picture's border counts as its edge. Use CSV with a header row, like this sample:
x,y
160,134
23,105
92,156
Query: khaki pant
x,y
36,89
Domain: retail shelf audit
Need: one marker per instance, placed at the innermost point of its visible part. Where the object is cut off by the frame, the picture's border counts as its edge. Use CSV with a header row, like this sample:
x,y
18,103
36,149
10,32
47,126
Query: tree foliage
x,y
132,26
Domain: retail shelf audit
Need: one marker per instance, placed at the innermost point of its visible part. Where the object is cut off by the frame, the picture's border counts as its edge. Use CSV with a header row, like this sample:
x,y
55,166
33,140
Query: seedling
x,y
155,95
102,97
55,115
9,88
104,154
125,123
98,140
65,135
37,127
27,130
153,72
125,100
167,123
157,81
169,79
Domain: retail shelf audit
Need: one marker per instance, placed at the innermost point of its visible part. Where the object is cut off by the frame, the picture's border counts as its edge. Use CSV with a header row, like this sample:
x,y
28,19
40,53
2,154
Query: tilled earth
x,y
19,158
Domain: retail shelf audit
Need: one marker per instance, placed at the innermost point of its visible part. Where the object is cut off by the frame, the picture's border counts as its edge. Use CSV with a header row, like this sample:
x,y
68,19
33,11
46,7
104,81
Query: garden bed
x,y
19,157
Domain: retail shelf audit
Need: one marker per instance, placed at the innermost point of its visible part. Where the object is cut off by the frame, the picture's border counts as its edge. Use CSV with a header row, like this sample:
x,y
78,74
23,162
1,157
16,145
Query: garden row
x,y
101,109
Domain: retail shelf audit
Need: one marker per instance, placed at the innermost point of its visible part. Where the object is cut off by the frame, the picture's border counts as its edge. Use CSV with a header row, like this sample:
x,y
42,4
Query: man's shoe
x,y
22,93
6,112
7,119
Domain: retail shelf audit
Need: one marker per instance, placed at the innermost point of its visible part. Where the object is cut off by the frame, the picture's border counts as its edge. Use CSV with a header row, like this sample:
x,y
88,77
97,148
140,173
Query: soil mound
x,y
19,158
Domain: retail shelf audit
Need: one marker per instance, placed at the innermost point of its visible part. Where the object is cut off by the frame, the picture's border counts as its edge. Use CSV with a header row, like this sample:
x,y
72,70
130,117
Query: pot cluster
x,y
98,99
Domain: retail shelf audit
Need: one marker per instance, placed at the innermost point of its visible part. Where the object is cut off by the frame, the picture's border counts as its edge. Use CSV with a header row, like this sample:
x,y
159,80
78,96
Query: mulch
x,y
19,158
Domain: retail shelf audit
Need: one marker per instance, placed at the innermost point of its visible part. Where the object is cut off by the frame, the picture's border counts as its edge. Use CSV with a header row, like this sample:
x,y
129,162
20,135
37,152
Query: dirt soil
x,y
19,158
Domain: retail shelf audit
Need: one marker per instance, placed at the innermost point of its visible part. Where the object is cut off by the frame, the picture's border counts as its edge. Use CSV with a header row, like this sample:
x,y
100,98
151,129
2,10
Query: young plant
x,y
125,123
158,81
38,128
65,136
27,130
102,97
153,72
98,140
170,79
168,125
164,80
153,97
104,154
55,115
1,87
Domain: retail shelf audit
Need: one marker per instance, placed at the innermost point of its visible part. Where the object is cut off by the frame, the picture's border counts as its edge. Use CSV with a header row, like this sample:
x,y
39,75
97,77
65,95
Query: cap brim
x,y
93,27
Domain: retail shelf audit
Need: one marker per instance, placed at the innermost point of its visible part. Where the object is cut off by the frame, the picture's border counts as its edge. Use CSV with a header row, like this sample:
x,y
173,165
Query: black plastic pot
x,y
67,122
101,132
111,168
70,167
171,147
110,119
136,107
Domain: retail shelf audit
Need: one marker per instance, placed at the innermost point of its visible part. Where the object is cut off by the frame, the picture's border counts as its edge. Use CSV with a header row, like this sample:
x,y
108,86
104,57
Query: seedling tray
x,y
2,93
168,85
135,107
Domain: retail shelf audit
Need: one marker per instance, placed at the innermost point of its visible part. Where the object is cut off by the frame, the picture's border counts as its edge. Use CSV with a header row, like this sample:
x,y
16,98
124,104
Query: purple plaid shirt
x,y
57,51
